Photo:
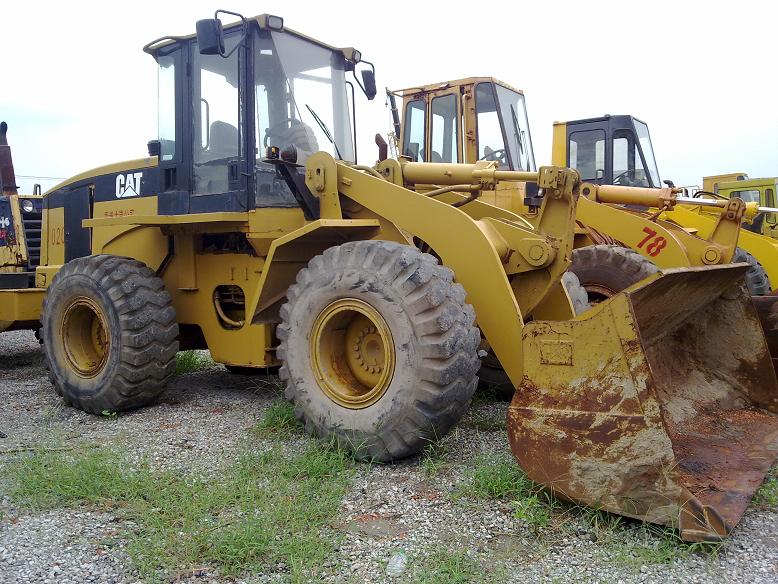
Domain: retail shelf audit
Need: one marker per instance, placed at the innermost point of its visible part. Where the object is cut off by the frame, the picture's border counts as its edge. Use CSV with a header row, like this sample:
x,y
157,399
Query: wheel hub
x,y
84,334
352,353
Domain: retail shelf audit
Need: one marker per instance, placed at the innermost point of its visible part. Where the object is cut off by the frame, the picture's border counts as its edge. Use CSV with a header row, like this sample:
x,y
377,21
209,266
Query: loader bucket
x,y
767,309
660,403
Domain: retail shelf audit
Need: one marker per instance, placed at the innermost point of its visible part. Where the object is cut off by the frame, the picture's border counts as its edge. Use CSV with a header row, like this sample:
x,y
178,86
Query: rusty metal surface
x,y
658,404
767,309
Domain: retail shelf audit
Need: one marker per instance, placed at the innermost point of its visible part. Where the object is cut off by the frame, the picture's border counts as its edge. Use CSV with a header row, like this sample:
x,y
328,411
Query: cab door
x,y
589,151
219,177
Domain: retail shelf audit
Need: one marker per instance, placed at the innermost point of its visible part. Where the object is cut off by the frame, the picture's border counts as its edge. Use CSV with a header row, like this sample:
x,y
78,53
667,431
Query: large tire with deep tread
x,y
433,334
605,270
756,277
140,329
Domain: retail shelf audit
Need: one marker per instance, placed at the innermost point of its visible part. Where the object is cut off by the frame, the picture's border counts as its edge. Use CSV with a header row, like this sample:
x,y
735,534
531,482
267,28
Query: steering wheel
x,y
276,129
499,156
629,175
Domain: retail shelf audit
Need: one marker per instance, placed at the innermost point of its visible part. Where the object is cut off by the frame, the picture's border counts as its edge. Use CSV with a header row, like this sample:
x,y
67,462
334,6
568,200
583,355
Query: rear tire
x,y
379,349
606,270
756,277
110,334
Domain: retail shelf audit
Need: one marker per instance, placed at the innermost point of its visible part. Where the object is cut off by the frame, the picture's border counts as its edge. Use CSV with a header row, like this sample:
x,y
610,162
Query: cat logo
x,y
128,185
4,222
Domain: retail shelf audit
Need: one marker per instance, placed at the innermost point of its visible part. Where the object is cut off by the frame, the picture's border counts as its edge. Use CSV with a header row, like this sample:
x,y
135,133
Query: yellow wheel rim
x,y
85,336
352,353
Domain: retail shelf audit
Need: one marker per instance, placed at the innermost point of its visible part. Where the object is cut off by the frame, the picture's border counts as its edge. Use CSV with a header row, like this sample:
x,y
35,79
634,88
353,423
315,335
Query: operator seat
x,y
211,170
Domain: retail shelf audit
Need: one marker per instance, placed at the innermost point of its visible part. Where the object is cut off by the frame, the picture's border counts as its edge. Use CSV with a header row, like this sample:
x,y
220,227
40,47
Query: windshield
x,y
297,82
644,138
514,120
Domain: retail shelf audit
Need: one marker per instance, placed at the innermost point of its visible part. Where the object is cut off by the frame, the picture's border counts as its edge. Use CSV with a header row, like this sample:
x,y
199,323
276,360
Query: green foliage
x,y
278,420
499,479
767,495
192,361
433,459
447,566
267,509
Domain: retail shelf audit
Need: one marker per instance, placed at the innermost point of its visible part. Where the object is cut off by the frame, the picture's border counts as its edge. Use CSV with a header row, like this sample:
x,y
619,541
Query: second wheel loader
x,y
250,230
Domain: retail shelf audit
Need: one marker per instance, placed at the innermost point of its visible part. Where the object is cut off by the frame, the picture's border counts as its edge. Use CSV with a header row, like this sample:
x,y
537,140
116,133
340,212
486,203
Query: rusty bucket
x,y
660,403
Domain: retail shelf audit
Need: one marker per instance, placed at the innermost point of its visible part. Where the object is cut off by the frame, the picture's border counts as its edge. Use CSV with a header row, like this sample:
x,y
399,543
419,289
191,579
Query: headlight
x,y
27,206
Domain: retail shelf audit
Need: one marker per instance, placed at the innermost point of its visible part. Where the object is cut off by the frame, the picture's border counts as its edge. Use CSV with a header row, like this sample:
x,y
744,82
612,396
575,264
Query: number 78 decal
x,y
654,247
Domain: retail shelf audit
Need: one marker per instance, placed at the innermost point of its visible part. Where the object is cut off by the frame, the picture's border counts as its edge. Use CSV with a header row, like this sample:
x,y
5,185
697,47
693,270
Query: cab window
x,y
444,129
415,125
748,195
491,143
587,154
628,167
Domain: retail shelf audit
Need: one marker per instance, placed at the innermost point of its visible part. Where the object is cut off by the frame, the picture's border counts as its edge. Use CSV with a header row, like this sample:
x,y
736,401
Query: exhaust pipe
x,y
8,184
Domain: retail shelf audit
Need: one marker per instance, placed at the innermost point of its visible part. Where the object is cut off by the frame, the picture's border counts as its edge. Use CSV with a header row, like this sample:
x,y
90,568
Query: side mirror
x,y
155,148
210,36
368,82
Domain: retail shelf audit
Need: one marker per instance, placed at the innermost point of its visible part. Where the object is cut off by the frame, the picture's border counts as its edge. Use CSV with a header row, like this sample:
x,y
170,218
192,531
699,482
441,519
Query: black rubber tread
x,y
576,292
492,376
144,342
441,331
612,266
757,281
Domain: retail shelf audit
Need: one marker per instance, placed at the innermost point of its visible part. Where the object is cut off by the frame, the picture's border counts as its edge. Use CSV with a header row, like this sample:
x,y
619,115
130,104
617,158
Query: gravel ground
x,y
412,507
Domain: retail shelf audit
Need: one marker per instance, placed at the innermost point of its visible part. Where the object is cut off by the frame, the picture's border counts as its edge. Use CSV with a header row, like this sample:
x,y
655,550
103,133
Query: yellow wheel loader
x,y
618,241
251,231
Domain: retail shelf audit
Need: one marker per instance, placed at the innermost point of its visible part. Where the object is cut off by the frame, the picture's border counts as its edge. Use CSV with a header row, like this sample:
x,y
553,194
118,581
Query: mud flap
x,y
659,404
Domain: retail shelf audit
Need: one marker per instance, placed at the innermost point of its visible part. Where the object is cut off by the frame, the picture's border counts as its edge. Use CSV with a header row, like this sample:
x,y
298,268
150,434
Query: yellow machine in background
x,y
305,259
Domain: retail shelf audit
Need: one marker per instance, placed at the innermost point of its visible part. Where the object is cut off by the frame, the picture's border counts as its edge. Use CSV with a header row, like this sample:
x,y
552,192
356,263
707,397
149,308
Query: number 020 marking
x,y
654,247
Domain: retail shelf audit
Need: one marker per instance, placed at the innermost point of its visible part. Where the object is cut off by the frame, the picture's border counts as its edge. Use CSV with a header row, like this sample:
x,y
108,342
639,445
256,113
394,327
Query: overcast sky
x,y
78,92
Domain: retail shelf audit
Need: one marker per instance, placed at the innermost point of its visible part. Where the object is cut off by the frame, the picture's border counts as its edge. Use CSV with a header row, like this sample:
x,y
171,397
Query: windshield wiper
x,y
519,137
324,129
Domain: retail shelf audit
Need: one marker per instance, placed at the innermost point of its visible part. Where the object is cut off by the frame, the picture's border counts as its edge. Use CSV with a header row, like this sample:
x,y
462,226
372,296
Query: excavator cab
x,y
610,150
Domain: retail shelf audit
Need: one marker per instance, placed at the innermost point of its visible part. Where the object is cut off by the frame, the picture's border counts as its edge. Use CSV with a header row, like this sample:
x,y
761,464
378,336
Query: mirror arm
x,y
353,116
245,30
354,73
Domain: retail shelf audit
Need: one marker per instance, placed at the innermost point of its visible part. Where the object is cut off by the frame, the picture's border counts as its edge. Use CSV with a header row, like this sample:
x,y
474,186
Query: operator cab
x,y
229,96
611,150
475,118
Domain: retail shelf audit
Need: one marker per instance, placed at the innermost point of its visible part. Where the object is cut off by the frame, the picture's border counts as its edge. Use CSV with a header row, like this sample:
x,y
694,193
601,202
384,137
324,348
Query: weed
x,y
266,510
767,495
192,361
485,421
446,566
278,420
655,544
433,459
534,509
498,479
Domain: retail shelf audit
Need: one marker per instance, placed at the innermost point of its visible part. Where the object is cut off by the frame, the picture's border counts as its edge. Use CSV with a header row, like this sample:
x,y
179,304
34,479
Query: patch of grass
x,y
266,509
485,421
499,479
447,566
433,459
655,544
192,361
278,420
767,495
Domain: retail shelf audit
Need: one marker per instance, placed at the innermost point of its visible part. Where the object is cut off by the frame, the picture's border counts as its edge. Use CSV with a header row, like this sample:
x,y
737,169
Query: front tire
x,y
606,270
110,334
379,349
